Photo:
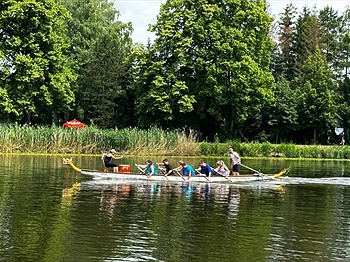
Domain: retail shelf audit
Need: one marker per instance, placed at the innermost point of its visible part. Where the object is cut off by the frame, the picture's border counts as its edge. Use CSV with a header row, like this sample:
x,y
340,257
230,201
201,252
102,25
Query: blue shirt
x,y
188,169
206,170
148,170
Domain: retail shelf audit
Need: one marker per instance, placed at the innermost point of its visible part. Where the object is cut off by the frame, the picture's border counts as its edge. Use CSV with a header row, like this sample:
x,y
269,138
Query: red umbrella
x,y
74,123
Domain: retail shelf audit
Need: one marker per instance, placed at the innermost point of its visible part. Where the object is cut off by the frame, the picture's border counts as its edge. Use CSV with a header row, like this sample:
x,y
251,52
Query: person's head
x,y
148,162
230,150
113,151
220,163
182,163
165,161
202,163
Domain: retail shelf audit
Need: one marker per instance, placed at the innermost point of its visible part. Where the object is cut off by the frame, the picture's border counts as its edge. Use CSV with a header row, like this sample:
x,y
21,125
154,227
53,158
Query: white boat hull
x,y
175,178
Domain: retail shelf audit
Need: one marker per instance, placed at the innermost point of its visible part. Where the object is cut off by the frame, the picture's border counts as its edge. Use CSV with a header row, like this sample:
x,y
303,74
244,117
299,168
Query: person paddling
x,y
167,166
204,168
149,168
221,169
186,169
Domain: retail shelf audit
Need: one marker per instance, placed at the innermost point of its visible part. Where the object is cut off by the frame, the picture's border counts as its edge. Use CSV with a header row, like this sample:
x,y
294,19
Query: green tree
x,y
281,117
35,76
318,99
285,54
100,45
344,58
308,36
211,66
105,92
332,28
343,64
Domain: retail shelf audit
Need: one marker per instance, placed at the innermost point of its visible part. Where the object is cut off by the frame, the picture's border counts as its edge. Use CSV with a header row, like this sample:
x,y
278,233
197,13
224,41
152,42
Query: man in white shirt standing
x,y
235,162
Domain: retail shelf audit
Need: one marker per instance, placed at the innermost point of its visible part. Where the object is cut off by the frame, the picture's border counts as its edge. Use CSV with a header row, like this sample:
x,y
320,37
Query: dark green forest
x,y
224,69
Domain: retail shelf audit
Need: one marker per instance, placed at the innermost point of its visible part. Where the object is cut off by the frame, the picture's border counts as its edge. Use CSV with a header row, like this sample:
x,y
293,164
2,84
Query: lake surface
x,y
48,212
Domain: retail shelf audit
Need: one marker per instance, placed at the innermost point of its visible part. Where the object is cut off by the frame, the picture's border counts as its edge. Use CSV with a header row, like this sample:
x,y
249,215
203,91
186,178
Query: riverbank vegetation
x,y
154,141
226,69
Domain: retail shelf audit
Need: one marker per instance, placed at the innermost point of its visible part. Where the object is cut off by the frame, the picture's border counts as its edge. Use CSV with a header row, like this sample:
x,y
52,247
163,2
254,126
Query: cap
x,y
113,151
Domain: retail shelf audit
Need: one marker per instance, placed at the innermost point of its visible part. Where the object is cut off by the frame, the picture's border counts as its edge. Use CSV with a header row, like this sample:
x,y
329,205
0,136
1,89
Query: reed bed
x,y
153,141
277,150
91,140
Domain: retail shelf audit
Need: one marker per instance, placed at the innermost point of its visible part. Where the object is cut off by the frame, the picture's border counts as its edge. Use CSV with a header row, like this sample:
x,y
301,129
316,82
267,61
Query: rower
x,y
148,168
168,168
186,169
204,168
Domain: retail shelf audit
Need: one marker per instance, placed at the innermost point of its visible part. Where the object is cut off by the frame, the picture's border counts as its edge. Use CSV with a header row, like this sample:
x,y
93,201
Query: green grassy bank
x,y
153,141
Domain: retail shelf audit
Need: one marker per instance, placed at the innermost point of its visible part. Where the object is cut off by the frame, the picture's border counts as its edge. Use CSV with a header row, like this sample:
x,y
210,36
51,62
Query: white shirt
x,y
235,158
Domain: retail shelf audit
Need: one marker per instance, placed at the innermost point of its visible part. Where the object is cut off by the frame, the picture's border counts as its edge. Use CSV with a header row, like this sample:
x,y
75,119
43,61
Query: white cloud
x,y
277,6
141,14
144,12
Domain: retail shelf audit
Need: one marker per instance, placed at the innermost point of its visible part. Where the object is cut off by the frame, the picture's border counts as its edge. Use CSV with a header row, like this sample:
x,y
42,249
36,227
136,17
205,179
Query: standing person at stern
x,y
235,162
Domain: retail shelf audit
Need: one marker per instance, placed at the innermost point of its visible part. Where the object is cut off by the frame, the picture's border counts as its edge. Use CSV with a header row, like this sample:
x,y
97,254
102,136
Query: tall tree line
x,y
216,66
311,63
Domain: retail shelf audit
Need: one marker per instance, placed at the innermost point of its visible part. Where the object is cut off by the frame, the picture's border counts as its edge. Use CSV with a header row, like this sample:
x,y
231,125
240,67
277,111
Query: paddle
x,y
143,171
162,170
256,171
199,173
275,176
218,174
179,174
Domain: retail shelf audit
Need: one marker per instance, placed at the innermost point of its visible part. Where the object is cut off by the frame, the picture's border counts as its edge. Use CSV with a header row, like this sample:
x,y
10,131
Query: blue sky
x,y
144,12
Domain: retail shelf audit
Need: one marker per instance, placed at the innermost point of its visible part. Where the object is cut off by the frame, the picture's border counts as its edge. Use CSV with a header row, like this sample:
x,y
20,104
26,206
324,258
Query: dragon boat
x,y
124,173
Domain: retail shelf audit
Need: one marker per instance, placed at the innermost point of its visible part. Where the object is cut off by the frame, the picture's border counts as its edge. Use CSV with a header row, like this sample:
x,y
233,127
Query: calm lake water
x,y
48,212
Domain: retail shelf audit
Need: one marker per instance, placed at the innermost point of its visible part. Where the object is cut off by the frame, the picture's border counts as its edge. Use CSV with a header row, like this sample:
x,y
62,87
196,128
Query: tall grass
x,y
91,140
277,150
153,141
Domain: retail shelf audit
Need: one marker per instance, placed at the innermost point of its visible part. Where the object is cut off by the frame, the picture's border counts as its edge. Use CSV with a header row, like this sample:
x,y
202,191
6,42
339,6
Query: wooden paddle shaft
x,y
251,169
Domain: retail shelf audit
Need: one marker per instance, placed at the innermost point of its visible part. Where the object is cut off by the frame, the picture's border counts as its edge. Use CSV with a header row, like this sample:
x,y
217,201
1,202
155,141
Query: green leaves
x,y
318,95
214,59
33,46
100,48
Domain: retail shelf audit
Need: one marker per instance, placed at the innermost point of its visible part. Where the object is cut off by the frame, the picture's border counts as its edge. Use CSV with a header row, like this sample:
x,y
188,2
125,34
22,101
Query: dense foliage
x,y
208,68
35,74
223,68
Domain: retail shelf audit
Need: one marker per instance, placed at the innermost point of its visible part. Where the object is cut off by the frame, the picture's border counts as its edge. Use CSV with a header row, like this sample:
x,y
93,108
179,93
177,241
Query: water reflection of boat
x,y
175,178
220,191
115,193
